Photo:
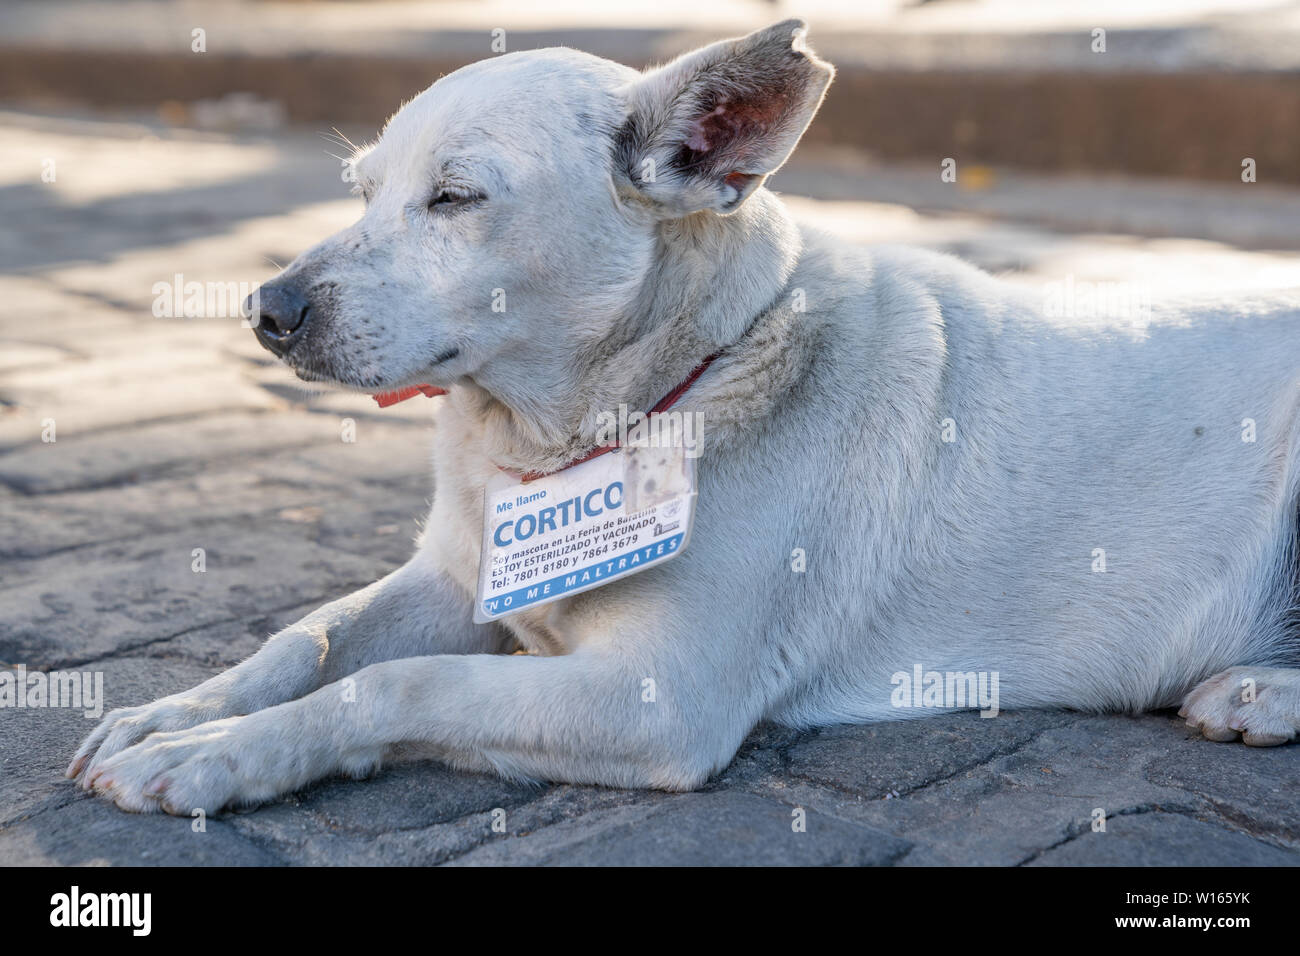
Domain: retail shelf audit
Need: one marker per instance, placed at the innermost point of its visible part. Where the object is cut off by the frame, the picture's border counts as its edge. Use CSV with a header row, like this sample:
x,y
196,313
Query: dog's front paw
x,y
127,726
186,770
238,761
1261,705
210,767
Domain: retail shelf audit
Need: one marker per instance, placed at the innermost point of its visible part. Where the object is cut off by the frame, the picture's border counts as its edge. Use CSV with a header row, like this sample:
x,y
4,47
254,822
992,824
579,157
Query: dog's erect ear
x,y
705,131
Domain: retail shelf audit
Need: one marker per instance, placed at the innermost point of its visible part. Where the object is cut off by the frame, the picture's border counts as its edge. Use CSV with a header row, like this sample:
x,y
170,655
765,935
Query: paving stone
x,y
323,498
93,832
40,525
224,644
409,796
40,312
36,744
876,759
20,355
383,454
1253,788
86,397
339,822
82,605
1012,807
420,812
183,447
1164,839
556,805
722,828
390,818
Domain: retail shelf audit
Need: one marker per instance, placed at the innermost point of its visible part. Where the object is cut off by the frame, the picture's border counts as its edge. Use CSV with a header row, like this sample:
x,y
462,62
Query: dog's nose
x,y
280,312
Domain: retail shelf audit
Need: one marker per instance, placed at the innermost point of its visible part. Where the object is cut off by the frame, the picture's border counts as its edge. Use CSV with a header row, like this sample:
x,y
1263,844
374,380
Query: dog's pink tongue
x,y
402,394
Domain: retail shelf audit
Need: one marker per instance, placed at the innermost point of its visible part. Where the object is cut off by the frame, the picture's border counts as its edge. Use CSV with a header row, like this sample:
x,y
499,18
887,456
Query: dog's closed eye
x,y
454,197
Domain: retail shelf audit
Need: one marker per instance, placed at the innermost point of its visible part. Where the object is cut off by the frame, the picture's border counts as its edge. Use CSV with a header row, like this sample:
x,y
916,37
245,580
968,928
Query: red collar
x,y
665,403
668,401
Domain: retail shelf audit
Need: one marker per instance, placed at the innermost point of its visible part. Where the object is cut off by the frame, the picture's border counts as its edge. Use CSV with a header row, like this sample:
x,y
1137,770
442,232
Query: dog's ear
x,y
705,131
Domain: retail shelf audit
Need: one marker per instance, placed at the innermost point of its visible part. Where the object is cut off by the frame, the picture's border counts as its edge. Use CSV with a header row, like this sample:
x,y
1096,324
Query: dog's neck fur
x,y
711,279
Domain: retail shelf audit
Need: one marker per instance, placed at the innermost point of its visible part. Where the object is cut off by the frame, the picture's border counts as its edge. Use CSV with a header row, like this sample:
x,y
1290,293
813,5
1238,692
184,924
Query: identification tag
x,y
586,526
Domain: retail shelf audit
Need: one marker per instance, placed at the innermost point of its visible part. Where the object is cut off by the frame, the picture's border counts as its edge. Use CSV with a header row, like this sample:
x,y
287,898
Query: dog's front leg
x,y
415,610
589,717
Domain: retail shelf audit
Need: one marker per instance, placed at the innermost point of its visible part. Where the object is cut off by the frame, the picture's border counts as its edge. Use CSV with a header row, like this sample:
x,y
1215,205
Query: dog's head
x,y
513,209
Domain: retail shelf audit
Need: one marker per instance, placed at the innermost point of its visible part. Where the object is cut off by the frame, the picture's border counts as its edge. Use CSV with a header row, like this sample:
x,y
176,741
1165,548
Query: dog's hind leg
x,y
416,610
1258,703
1261,705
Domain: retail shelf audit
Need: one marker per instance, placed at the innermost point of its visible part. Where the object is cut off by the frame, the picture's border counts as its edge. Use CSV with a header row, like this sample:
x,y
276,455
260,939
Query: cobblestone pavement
x,y
177,434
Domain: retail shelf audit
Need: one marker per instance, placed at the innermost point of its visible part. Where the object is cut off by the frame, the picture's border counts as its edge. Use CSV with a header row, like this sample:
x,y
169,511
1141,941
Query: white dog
x,y
906,467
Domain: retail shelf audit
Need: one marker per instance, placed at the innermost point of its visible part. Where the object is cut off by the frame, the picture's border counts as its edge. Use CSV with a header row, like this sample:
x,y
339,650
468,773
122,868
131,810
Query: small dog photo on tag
x,y
653,476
